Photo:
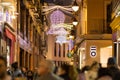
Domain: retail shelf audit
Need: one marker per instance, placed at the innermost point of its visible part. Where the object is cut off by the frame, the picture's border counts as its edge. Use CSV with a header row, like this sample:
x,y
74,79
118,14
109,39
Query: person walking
x,y
3,69
45,71
16,71
63,71
112,66
92,73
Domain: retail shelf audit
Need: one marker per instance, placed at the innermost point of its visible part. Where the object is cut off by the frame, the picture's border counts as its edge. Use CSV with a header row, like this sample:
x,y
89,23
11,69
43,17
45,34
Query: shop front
x,y
10,44
94,50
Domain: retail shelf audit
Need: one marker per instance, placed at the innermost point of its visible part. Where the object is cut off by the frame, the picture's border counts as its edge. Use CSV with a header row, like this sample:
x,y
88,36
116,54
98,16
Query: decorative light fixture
x,y
75,6
75,22
61,39
57,31
71,37
57,17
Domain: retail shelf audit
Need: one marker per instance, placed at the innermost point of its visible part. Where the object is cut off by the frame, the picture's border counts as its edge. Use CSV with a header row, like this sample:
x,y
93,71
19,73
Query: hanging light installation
x,y
61,39
57,17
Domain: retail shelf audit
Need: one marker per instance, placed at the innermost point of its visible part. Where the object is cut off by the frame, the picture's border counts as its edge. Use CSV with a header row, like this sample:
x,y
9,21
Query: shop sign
x,y
93,51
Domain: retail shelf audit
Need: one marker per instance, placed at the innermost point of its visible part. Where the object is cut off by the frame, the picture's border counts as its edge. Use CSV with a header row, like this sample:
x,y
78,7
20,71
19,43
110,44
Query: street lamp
x,y
75,22
75,6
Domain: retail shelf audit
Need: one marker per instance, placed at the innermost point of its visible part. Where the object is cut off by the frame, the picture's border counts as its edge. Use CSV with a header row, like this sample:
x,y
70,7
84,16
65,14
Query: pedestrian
x,y
24,71
82,73
35,73
63,71
16,71
29,75
117,76
92,73
3,69
112,66
45,71
73,72
104,74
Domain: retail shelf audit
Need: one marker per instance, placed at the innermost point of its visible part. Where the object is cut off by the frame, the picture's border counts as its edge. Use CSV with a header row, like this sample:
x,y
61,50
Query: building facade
x,y
93,32
116,28
21,34
29,33
8,25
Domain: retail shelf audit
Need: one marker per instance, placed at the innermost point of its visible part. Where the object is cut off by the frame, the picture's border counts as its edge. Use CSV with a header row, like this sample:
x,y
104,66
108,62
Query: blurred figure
x,y
105,78
9,71
45,71
117,76
3,69
73,73
29,75
16,71
24,71
63,71
82,75
112,66
92,73
56,70
35,74
104,74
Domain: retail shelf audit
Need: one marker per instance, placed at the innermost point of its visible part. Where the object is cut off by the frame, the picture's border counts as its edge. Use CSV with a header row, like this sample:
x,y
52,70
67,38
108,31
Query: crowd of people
x,y
47,71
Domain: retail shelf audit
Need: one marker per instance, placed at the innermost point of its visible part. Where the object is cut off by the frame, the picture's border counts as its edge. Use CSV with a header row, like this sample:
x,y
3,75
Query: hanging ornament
x,y
61,39
57,31
57,17
69,55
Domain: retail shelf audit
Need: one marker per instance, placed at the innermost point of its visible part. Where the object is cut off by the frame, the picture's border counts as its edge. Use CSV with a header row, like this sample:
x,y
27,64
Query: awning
x,y
9,34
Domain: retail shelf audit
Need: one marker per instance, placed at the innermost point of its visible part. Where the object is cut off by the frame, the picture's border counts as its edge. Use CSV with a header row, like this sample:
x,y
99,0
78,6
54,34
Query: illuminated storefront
x,y
99,50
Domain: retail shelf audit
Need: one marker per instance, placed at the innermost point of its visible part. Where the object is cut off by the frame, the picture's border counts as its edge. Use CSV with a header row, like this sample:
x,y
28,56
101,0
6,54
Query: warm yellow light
x,y
5,3
75,8
13,16
109,47
75,23
71,37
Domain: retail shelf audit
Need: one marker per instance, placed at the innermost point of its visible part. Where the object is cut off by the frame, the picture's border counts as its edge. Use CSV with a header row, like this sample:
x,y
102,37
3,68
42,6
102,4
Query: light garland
x,y
68,26
57,31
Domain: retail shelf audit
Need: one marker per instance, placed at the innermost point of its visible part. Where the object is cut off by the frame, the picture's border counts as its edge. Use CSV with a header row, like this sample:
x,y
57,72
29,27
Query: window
x,y
59,50
55,50
63,50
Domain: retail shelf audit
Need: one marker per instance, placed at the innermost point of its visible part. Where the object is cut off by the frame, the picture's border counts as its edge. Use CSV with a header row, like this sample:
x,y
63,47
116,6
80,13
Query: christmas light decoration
x,y
57,17
61,39
57,31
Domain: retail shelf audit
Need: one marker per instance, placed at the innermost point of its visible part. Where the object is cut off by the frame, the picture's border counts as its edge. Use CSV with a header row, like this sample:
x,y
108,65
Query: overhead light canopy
x,y
75,22
75,6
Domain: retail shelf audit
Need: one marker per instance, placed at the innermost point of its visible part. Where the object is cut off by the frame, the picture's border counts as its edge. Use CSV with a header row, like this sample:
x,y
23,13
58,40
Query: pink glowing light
x,y
57,17
57,31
